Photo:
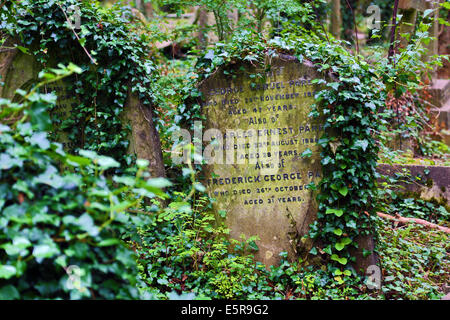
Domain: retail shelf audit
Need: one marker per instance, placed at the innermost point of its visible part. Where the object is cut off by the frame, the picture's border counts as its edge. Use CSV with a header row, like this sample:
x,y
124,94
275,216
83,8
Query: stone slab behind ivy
x,y
20,71
428,181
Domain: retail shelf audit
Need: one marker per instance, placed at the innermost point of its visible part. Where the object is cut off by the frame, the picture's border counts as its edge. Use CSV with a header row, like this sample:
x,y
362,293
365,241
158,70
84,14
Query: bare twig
x,y
394,27
355,26
76,35
416,220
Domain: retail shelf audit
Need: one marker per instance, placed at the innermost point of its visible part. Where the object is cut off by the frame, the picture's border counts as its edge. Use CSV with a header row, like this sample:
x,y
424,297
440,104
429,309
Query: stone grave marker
x,y
264,126
17,70
20,71
65,103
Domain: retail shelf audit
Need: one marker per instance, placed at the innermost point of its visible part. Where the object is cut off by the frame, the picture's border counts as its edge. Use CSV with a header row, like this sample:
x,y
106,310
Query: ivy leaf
x,y
50,177
337,272
108,242
223,213
362,144
209,55
7,272
9,292
334,145
6,162
199,187
306,154
337,232
142,163
333,85
77,161
4,128
337,212
45,250
343,190
23,49
444,22
341,245
107,162
186,172
162,281
427,12
86,223
159,183
126,180
39,117
311,186
342,261
40,139
351,224
339,280
253,245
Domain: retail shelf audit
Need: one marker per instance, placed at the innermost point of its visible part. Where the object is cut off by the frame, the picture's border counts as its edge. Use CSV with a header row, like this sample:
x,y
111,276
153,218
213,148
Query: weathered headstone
x,y
63,110
20,71
409,10
144,139
265,127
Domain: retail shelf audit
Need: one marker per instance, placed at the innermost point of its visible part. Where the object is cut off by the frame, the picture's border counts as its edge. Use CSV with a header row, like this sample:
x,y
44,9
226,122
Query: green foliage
x,y
251,15
432,211
433,148
64,232
59,210
415,261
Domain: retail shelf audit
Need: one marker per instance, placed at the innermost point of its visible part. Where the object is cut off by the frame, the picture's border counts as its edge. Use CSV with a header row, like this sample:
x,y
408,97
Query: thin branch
x,y
416,220
76,35
356,27
393,31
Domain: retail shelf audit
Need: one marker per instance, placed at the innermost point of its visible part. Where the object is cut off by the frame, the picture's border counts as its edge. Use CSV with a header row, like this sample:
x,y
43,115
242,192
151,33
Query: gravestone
x,y
65,103
409,10
261,152
17,70
20,71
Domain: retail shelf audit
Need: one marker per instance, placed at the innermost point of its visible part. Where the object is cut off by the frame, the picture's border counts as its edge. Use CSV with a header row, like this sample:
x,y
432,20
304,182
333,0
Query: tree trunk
x,y
202,22
393,31
433,46
362,263
336,19
148,10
